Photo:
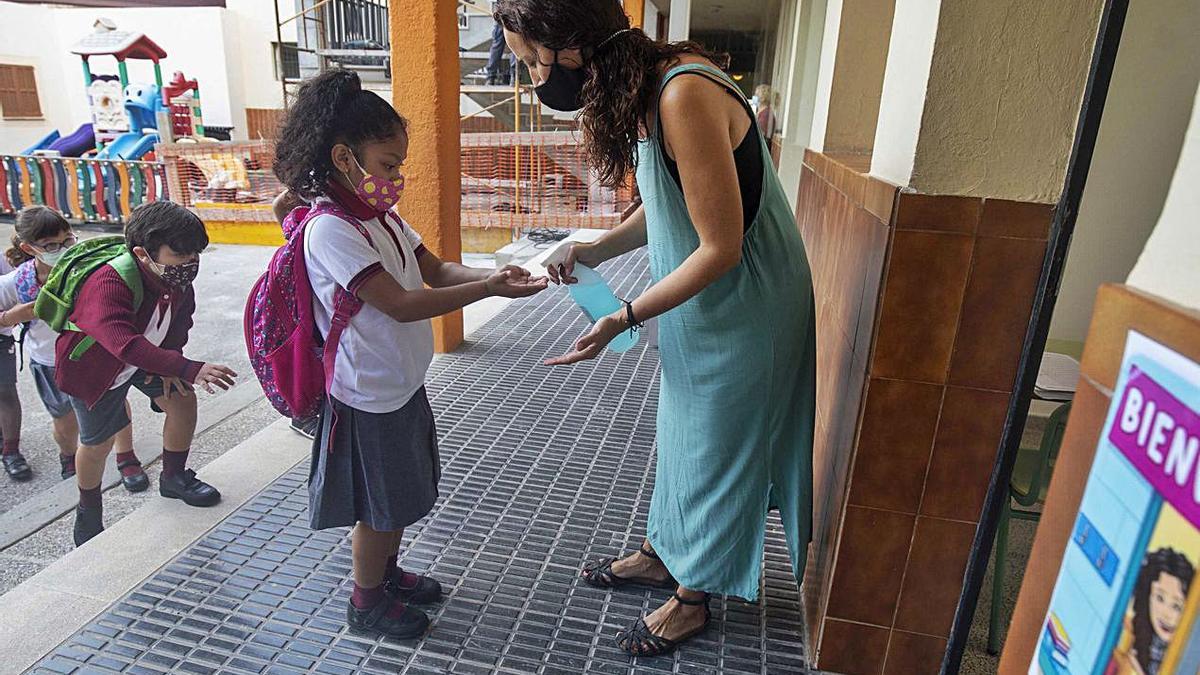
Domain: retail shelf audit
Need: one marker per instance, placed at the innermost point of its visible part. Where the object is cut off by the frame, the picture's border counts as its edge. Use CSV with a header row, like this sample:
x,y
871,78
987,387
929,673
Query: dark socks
x,y
89,498
362,598
173,463
134,469
67,461
12,446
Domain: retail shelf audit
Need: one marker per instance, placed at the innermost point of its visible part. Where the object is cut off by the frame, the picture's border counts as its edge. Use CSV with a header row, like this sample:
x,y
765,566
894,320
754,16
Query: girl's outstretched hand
x,y
589,346
515,282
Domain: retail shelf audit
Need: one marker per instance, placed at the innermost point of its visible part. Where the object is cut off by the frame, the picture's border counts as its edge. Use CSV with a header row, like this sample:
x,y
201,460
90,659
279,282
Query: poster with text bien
x,y
1127,596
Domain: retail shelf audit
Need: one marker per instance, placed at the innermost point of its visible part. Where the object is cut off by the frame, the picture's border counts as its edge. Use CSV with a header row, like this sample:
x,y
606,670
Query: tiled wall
x,y
847,244
1119,310
902,469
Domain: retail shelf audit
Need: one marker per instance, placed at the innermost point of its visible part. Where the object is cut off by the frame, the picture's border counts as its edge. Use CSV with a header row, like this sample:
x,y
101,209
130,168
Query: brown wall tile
x,y
996,311
1026,220
938,213
922,297
933,579
912,654
895,444
852,649
964,454
879,198
869,565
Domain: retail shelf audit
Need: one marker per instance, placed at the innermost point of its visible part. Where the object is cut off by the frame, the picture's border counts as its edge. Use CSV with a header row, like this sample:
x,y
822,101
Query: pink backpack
x,y
292,365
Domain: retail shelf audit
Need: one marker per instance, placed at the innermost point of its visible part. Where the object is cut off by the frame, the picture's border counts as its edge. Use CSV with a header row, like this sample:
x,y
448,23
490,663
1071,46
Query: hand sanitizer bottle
x,y
597,301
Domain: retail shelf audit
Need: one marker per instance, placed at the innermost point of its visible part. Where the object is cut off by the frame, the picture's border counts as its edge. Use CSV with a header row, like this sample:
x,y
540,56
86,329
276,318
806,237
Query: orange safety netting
x,y
510,180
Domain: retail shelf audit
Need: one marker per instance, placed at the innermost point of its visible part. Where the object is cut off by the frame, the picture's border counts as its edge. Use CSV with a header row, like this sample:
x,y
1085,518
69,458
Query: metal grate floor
x,y
542,469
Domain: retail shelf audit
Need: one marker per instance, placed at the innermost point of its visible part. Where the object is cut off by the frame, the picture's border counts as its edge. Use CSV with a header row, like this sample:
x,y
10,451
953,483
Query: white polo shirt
x,y
380,362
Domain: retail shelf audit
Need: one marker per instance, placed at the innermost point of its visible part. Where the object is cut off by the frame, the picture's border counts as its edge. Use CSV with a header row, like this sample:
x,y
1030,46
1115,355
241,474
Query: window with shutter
x,y
18,93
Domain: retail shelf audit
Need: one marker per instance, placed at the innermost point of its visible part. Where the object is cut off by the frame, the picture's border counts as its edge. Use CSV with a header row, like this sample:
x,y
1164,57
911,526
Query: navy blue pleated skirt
x,y
379,469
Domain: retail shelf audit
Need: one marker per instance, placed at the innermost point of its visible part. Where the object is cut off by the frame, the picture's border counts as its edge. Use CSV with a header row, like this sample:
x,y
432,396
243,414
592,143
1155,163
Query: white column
x,y
681,20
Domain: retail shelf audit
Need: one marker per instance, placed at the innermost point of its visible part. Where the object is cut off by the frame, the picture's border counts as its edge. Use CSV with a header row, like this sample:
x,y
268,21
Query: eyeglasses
x,y
56,246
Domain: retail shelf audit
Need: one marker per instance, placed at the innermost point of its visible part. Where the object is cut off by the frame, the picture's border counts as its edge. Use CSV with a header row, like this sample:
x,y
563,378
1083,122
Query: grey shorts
x,y
8,360
57,403
108,416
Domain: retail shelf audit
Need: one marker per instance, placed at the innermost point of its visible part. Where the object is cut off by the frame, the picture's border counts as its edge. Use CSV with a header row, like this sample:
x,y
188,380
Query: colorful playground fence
x,y
92,190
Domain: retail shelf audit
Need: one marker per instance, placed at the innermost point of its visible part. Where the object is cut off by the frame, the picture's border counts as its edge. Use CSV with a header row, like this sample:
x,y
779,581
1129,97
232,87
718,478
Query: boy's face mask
x,y
378,193
177,276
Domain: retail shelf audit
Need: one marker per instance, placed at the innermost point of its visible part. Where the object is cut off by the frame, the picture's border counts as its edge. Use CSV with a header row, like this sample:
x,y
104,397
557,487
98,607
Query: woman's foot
x,y
642,567
679,619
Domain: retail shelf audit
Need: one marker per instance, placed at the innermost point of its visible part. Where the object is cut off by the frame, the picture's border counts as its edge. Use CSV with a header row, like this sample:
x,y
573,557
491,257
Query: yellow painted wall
x,y
862,48
1005,88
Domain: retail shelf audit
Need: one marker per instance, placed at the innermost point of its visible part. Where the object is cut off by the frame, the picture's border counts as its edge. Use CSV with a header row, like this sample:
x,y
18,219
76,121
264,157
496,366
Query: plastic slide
x,y
129,146
43,143
76,144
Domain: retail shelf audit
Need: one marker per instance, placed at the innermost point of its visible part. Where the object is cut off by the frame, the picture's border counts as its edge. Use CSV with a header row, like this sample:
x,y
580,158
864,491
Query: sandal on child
x,y
639,640
600,574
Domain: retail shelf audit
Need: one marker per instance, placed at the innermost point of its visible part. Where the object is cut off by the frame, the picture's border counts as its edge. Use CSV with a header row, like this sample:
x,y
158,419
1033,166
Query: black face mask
x,y
563,90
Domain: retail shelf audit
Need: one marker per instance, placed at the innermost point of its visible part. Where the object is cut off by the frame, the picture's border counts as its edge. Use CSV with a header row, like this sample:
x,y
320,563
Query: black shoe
x,y
16,467
88,524
307,426
192,490
134,482
68,466
411,624
427,589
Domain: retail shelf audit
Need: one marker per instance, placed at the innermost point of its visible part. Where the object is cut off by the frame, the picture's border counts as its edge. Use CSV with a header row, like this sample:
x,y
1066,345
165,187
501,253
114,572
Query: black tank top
x,y
747,156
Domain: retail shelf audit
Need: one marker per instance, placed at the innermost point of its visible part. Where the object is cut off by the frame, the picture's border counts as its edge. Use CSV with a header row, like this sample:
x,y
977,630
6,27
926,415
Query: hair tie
x,y
612,37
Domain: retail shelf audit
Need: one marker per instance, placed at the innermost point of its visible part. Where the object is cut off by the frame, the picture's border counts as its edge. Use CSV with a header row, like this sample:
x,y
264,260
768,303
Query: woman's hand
x,y
589,346
561,266
515,282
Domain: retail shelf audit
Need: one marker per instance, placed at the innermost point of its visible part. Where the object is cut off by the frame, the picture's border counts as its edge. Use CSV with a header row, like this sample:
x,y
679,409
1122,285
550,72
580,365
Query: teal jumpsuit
x,y
737,400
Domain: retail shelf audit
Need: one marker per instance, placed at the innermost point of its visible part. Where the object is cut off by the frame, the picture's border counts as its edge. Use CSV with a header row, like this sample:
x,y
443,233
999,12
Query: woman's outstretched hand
x,y
589,346
515,282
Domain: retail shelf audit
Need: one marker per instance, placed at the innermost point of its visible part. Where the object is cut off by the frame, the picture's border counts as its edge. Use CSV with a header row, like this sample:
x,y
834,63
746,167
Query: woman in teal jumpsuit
x,y
732,293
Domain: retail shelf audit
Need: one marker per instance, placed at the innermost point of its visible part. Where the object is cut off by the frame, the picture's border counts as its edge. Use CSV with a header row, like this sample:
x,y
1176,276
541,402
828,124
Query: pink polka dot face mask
x,y
380,194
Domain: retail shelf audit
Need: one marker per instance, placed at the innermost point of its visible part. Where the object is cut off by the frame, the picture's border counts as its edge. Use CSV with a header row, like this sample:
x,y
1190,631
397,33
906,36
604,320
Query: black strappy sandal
x,y
638,640
600,574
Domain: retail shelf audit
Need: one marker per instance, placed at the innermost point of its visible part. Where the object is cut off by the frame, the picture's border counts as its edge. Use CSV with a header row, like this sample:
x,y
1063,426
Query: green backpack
x,y
56,299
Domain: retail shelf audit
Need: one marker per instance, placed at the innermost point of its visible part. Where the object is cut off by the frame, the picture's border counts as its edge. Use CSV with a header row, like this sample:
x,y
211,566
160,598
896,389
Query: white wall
x,y
252,26
1170,264
910,53
22,43
1145,121
650,19
824,86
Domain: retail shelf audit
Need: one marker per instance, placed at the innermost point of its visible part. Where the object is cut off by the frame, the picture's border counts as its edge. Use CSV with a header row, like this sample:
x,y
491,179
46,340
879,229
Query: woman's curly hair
x,y
330,108
623,80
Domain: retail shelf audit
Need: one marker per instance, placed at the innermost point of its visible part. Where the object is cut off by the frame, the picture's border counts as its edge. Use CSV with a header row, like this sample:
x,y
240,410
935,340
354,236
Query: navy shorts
x,y
57,403
108,416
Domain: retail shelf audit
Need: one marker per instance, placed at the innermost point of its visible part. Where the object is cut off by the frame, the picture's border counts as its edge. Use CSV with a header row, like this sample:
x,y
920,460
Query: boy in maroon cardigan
x,y
139,347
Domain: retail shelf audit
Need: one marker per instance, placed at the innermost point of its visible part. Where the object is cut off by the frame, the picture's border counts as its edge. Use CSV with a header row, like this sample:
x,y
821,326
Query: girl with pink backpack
x,y
359,275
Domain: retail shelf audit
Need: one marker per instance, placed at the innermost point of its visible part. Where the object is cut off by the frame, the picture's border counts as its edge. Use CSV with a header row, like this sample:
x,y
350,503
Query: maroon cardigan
x,y
104,310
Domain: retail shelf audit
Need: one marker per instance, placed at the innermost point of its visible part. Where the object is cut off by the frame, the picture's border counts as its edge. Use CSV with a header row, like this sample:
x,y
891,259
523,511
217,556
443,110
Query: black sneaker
x,y
426,590
411,624
135,481
68,466
16,467
88,524
192,490
307,426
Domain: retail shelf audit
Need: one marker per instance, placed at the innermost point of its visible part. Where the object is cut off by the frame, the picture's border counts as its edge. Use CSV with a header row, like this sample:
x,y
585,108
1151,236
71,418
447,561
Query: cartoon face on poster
x,y
1127,598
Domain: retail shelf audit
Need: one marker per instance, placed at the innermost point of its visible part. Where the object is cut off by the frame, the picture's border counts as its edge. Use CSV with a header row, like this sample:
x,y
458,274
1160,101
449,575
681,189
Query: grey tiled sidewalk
x,y
542,468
